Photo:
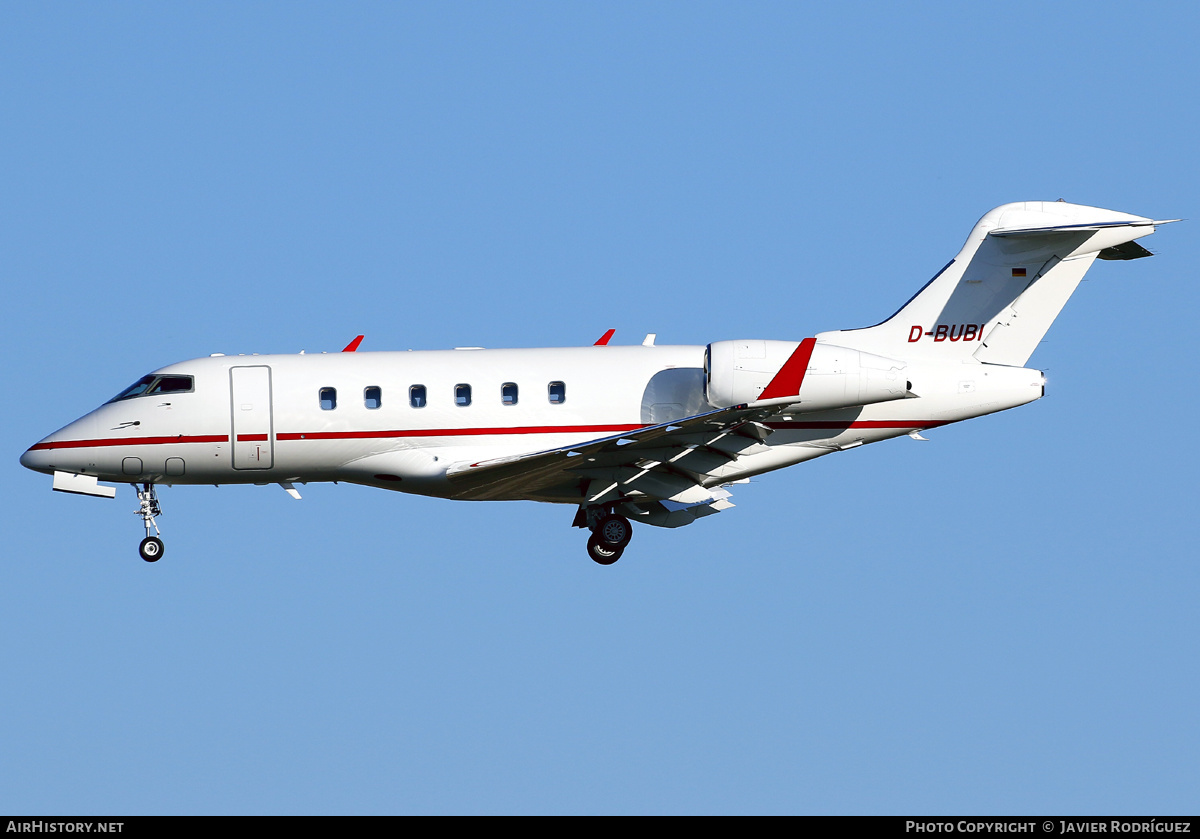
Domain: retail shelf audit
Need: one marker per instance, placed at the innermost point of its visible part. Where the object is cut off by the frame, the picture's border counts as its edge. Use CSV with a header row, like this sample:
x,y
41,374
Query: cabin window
x,y
172,384
328,398
416,396
373,397
558,393
462,395
508,393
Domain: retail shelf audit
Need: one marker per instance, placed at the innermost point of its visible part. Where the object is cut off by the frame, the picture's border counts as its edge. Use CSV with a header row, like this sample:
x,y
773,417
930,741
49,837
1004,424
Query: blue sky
x,y
1001,620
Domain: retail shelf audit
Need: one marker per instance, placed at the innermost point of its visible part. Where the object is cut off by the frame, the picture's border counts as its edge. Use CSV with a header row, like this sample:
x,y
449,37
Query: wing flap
x,y
655,462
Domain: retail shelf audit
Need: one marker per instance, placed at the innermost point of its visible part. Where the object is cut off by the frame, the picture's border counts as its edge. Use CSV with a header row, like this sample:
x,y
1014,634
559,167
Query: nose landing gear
x,y
151,549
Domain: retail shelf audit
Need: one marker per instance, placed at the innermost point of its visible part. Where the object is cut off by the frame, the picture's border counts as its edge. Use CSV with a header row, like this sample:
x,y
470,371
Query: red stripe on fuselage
x,y
335,435
791,375
130,441
452,432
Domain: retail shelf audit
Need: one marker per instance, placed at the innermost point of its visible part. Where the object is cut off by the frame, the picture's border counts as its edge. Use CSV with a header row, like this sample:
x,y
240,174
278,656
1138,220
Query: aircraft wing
x,y
662,473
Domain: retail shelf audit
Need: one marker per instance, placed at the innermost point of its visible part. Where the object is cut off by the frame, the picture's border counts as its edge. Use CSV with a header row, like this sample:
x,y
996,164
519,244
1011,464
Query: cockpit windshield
x,y
155,384
135,389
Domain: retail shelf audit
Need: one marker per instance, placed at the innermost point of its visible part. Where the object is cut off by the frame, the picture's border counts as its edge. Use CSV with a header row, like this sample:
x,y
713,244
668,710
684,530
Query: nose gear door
x,y
253,435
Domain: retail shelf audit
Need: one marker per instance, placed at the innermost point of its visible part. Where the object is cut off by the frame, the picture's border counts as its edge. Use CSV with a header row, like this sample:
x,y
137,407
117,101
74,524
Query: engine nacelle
x,y
737,372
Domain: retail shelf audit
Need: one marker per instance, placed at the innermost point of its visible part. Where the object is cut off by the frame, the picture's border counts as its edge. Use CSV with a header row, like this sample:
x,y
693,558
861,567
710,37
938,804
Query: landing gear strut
x,y
610,534
151,549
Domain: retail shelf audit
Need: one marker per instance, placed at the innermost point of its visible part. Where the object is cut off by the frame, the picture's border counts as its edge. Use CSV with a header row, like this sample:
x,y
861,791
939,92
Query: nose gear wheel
x,y
151,549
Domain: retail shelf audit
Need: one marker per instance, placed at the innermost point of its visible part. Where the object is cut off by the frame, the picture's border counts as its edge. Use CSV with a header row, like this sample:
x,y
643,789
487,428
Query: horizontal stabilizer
x,y
1076,228
1128,250
1070,228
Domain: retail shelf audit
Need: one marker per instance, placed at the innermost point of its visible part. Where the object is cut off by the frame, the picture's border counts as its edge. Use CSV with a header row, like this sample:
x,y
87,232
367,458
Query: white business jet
x,y
651,434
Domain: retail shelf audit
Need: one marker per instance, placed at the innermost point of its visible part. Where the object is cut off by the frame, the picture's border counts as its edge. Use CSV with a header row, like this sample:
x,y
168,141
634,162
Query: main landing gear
x,y
610,534
151,549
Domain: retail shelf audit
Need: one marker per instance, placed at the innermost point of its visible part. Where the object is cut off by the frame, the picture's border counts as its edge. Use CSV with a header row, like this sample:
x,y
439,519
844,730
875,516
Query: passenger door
x,y
253,436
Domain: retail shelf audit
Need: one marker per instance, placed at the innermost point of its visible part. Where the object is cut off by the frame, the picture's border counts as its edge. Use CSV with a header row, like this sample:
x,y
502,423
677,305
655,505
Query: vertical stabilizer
x,y
995,301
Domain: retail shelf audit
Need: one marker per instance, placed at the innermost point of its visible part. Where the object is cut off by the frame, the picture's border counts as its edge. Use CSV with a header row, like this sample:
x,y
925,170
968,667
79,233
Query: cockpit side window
x,y
172,384
136,389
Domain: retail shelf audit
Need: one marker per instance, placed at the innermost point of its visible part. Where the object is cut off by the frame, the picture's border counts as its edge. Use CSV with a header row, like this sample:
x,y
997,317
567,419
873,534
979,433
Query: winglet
x,y
353,345
603,342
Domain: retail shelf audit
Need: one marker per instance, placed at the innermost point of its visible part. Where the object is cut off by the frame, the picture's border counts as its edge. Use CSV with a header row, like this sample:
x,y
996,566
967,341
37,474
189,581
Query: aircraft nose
x,y
54,451
36,459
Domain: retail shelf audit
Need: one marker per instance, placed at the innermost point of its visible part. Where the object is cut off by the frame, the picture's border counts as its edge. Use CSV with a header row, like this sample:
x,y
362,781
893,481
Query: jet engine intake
x,y
739,372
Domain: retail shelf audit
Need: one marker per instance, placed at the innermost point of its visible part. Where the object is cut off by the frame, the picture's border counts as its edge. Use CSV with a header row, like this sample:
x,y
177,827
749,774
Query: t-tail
x,y
996,299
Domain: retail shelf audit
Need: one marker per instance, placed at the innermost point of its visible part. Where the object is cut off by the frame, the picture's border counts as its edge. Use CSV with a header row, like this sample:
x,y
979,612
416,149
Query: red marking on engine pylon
x,y
791,375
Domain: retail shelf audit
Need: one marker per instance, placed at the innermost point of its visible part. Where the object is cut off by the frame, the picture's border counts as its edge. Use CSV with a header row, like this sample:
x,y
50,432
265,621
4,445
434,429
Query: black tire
x,y
151,549
614,531
602,553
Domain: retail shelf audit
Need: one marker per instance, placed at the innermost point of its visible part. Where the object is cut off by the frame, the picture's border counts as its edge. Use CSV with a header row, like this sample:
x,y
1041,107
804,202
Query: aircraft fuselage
x,y
398,420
